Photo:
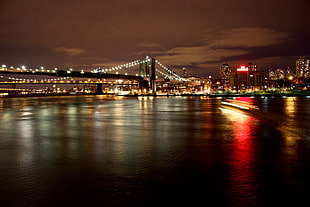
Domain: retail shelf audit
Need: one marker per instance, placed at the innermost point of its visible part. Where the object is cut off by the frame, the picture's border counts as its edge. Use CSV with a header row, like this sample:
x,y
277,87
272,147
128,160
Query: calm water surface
x,y
112,151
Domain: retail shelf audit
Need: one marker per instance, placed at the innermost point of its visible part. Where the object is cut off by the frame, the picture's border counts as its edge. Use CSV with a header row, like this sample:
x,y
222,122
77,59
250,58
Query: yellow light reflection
x,y
290,106
26,140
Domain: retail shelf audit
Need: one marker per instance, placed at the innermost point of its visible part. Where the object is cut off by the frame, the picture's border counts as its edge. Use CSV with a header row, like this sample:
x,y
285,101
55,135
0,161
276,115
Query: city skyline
x,y
197,35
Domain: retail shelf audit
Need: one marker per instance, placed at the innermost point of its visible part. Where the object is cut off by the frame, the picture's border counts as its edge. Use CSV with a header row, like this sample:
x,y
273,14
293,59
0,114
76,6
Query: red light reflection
x,y
242,176
249,100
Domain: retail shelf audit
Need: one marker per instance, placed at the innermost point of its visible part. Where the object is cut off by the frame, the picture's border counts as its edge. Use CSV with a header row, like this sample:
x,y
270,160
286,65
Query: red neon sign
x,y
243,69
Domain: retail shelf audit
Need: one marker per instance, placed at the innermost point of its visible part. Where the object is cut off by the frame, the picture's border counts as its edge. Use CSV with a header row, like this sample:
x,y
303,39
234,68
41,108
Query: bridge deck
x,y
63,73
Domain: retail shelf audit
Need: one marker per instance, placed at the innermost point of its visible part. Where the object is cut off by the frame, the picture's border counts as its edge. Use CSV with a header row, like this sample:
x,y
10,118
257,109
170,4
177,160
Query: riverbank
x,y
260,95
293,94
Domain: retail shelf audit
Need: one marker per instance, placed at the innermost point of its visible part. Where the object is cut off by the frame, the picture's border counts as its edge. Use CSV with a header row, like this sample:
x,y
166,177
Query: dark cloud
x,y
198,34
248,37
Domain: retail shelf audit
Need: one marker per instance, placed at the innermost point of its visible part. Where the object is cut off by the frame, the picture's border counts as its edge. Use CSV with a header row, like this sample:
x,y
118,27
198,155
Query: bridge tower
x,y
147,71
99,88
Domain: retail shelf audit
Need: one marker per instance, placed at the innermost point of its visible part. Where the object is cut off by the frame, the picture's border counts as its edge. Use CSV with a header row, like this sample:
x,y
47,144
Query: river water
x,y
146,151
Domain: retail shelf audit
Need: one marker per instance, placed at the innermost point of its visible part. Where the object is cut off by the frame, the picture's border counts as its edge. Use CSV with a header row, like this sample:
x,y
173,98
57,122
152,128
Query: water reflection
x,y
290,106
242,173
26,141
293,124
131,151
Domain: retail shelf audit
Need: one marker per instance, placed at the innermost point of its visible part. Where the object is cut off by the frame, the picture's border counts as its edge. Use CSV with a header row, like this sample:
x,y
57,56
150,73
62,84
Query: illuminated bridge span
x,y
149,70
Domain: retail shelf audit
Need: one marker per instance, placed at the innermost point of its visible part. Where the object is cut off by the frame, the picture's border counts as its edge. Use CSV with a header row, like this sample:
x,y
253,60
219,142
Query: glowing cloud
x,y
70,51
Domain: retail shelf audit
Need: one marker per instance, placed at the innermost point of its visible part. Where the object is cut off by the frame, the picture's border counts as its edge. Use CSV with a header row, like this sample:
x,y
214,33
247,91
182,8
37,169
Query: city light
x,y
246,79
243,68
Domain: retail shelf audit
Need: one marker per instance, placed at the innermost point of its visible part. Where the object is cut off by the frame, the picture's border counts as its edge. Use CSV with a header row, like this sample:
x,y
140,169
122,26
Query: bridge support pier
x,y
144,84
147,70
99,89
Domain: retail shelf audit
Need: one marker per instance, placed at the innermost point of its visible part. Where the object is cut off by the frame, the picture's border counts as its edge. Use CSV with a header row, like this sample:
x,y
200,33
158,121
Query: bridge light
x,y
4,66
23,67
42,68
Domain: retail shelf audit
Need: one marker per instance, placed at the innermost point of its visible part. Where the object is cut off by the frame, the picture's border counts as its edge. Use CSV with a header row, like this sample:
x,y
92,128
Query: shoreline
x,y
168,95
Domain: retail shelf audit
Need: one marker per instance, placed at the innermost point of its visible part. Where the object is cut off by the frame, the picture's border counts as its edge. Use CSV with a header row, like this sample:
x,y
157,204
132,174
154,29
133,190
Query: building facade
x,y
225,72
276,74
248,79
302,67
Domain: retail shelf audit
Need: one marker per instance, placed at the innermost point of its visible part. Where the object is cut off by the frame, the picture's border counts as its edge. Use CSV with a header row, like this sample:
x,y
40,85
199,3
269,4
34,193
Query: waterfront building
x,y
276,74
280,78
207,84
248,78
302,67
225,72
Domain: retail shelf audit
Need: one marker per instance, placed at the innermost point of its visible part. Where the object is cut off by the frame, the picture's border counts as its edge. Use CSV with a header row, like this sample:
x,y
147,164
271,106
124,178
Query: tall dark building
x,y
246,78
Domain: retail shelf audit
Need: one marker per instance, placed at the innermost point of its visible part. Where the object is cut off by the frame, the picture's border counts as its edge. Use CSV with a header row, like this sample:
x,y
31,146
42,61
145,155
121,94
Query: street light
x,y
291,82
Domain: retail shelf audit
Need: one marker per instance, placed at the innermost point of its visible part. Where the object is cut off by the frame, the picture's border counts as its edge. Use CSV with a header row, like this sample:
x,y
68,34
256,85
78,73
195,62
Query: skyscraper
x,y
302,67
225,72
185,75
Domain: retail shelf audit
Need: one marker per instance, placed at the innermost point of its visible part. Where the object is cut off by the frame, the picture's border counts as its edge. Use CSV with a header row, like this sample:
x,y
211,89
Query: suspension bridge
x,y
143,72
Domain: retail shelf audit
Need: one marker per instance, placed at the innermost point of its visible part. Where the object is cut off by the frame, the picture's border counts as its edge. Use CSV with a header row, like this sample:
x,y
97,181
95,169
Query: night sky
x,y
197,34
